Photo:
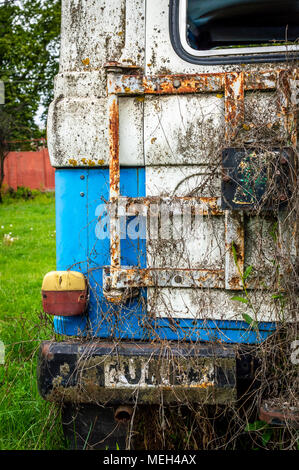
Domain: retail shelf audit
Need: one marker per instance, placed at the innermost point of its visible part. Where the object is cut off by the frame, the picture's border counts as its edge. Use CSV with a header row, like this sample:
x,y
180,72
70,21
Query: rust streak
x,y
285,105
234,103
201,205
136,84
114,148
114,171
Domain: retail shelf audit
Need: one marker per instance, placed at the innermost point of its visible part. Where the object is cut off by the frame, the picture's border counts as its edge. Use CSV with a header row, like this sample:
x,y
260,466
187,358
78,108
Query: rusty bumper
x,y
126,373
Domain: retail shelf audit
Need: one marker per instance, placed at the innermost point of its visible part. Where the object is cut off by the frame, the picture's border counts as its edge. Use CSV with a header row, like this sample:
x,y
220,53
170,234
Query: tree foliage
x,y
29,49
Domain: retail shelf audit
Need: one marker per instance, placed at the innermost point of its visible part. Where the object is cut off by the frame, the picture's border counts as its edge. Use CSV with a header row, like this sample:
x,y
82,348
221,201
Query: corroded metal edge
x,y
75,372
234,85
275,416
124,277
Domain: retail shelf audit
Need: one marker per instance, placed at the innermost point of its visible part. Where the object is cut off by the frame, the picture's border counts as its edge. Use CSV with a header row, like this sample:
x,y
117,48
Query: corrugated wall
x,y
30,169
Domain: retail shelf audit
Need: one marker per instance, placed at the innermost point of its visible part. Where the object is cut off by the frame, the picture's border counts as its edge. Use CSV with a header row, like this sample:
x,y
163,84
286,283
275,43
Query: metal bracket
x,y
233,85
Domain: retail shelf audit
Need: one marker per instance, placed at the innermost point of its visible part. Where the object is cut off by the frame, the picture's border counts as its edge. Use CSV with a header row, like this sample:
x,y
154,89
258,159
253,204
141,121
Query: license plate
x,y
132,372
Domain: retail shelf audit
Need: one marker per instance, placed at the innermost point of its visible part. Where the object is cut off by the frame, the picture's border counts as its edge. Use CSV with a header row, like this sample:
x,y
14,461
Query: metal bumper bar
x,y
124,373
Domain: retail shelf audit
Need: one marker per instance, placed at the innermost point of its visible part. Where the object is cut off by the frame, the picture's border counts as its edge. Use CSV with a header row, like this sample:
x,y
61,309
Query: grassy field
x,y
27,252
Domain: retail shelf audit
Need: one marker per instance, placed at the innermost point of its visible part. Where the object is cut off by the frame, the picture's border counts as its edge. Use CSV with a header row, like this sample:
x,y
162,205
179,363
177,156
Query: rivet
x,y
176,83
82,194
178,279
82,177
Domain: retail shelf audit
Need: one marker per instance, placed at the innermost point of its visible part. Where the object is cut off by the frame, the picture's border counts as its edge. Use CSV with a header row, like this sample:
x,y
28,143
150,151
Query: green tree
x,y
29,50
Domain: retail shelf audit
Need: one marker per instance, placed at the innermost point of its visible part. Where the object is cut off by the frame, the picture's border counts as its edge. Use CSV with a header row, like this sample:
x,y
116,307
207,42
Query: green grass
x,y
26,420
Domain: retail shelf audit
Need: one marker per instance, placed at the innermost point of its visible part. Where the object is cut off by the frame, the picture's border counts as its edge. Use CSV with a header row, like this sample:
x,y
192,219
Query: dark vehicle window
x,y
220,24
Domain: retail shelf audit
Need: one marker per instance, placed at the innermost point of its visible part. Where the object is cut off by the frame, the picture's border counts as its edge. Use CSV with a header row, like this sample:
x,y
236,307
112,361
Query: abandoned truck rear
x,y
173,135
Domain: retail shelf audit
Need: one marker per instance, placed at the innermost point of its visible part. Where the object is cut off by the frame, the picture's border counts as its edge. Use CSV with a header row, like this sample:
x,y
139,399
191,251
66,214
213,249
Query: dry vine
x,y
271,236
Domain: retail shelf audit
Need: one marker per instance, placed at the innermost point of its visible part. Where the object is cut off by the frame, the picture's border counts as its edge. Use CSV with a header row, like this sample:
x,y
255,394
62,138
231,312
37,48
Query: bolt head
x,y
176,83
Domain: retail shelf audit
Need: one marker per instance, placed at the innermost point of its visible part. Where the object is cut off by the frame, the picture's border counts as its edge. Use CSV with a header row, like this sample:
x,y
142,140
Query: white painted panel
x,y
184,240
131,132
134,48
182,130
77,132
94,32
160,55
91,31
189,247
210,304
183,181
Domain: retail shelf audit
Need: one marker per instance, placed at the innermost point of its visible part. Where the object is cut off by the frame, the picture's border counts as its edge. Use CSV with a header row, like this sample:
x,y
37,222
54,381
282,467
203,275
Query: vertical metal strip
x,y
114,175
287,104
234,221
234,250
286,88
234,103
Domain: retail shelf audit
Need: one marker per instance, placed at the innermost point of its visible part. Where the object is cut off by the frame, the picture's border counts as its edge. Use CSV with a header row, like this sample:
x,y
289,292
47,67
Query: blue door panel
x,y
82,229
84,200
71,235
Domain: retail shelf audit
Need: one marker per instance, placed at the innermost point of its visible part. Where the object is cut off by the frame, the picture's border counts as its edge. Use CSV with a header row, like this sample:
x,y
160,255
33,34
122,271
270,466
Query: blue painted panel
x,y
71,234
104,319
82,229
212,330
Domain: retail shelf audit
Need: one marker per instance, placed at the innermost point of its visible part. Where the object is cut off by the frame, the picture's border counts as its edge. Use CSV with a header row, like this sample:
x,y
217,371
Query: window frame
x,y
258,54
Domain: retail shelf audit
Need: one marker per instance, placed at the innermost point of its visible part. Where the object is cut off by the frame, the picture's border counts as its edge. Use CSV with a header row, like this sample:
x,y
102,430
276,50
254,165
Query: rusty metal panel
x,y
113,136
197,205
137,83
286,105
172,277
234,103
114,174
234,87
166,84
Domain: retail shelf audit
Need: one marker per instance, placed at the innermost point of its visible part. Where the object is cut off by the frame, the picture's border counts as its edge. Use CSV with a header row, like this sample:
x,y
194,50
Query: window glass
x,y
221,24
